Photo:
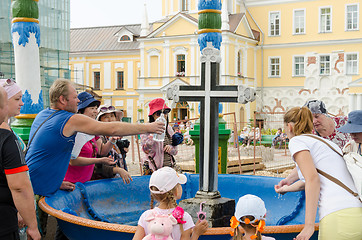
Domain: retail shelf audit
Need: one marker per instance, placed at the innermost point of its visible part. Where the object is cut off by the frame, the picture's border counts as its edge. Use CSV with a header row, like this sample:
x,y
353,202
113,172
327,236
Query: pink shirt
x,y
154,149
83,173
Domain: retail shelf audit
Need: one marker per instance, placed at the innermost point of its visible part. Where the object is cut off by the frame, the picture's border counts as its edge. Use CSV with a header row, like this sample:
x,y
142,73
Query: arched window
x,y
124,38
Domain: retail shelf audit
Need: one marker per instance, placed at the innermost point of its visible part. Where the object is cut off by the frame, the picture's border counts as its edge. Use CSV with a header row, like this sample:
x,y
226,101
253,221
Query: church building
x,y
289,51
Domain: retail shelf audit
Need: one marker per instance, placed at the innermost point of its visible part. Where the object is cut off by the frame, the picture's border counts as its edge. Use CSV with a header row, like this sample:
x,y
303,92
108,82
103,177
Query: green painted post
x,y
224,135
22,125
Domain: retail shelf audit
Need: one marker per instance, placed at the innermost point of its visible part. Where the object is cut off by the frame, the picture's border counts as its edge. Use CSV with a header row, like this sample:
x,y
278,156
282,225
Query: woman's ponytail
x,y
302,119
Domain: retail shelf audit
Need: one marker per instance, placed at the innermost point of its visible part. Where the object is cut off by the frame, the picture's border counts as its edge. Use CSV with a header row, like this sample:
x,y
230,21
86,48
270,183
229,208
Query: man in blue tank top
x,y
49,152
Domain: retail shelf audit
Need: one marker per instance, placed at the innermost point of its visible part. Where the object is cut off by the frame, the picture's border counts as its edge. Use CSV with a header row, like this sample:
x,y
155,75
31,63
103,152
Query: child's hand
x,y
281,190
126,177
106,160
113,140
200,227
167,148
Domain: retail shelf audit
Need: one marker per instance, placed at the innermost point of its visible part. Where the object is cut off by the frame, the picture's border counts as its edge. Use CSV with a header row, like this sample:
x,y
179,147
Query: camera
x,y
123,143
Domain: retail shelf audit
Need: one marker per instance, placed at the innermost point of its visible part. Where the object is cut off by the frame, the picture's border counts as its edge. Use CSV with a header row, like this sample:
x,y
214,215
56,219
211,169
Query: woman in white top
x,y
340,213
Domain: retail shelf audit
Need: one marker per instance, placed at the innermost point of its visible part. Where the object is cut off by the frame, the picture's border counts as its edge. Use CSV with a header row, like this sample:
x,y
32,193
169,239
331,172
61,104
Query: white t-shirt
x,y
332,197
176,232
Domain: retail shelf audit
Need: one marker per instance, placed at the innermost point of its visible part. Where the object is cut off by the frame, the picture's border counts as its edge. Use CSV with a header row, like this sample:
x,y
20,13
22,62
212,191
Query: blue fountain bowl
x,y
110,209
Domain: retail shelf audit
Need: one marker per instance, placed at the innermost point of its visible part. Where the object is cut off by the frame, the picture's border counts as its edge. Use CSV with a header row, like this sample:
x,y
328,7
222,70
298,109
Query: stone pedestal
x,y
218,210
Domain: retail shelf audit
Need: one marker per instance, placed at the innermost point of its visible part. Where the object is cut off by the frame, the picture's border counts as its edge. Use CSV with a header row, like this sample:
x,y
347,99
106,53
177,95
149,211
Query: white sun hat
x,y
250,205
165,179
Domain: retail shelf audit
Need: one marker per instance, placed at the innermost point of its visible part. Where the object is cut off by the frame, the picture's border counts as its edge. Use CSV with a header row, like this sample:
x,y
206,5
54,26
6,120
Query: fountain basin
x,y
118,206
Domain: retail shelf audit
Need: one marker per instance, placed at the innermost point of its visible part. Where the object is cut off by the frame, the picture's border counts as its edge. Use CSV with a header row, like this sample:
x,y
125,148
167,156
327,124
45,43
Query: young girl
x,y
340,213
165,187
249,215
158,153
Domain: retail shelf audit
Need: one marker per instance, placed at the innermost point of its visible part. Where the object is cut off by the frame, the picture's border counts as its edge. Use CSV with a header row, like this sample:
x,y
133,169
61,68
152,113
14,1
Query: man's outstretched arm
x,y
82,123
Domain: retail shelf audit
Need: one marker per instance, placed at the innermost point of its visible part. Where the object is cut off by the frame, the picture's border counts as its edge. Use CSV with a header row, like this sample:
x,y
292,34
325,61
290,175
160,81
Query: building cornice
x,y
257,3
166,37
195,36
240,37
104,53
314,43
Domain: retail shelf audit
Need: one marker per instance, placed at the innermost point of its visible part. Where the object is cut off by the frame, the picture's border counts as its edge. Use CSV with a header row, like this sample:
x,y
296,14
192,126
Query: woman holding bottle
x,y
159,153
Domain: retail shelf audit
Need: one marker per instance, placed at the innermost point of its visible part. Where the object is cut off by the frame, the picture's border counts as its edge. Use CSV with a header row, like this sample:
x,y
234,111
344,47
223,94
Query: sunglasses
x,y
8,82
105,109
158,113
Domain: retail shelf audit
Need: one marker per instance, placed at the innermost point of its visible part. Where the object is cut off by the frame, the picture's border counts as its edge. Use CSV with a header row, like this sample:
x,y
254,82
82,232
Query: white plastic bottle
x,y
22,234
160,137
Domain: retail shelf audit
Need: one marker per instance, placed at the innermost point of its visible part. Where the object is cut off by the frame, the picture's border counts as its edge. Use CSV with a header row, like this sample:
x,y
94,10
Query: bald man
x,y
16,193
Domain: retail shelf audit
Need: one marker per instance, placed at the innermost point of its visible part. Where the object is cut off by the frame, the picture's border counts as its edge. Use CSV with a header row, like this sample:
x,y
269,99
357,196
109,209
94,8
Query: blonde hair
x,y
59,88
168,198
302,119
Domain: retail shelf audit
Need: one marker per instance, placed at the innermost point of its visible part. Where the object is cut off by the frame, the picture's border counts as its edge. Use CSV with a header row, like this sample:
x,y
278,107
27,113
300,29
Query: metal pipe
x,y
262,55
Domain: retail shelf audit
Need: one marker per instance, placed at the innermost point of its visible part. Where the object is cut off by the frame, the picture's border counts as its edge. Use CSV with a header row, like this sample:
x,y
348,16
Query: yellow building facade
x,y
290,51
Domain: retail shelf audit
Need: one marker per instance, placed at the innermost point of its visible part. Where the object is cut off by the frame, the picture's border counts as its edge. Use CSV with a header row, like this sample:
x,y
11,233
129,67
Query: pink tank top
x,y
83,173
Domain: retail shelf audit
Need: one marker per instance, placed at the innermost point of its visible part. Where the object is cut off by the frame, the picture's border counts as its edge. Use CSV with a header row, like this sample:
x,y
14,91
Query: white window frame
x,y
294,21
294,64
357,63
320,22
270,66
269,26
346,17
179,51
320,61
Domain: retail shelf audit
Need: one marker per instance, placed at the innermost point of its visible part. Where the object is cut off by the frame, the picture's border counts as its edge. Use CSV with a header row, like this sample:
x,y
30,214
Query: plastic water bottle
x,y
22,234
160,137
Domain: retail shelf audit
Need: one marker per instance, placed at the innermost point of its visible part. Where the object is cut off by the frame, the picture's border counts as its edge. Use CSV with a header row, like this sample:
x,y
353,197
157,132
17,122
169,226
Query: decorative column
x,y
25,32
210,93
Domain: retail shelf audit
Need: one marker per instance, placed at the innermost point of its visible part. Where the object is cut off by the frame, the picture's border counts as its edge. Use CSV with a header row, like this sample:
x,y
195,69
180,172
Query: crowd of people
x,y
77,140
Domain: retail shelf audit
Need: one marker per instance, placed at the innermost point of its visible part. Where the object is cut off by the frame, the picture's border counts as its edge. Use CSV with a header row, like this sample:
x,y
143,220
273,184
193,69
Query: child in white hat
x,y
165,187
249,216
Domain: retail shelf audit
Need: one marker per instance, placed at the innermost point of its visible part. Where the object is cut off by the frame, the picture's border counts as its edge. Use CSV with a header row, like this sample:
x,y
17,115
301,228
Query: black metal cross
x,y
210,94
